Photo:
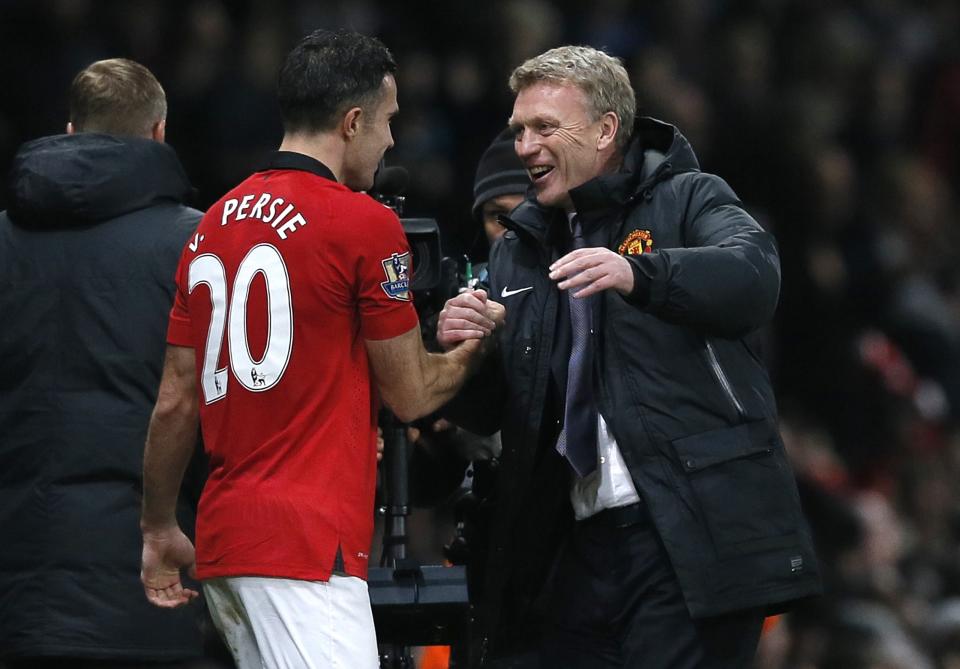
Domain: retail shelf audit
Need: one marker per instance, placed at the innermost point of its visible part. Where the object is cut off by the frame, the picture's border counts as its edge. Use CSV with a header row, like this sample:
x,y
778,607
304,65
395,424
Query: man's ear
x,y
159,131
70,129
609,124
350,125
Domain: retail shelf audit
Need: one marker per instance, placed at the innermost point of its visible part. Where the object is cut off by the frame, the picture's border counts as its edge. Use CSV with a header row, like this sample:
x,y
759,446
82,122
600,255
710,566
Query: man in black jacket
x,y
88,248
641,463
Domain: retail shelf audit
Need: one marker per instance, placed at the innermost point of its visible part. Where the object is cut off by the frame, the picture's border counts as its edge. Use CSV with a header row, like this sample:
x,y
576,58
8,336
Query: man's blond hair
x,y
118,97
600,76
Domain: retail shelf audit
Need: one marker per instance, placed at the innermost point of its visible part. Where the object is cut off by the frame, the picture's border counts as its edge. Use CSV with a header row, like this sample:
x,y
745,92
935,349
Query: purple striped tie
x,y
578,439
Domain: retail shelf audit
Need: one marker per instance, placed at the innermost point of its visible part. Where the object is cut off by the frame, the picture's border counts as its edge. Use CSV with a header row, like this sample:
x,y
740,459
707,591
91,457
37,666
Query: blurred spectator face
x,y
884,540
373,139
557,140
498,206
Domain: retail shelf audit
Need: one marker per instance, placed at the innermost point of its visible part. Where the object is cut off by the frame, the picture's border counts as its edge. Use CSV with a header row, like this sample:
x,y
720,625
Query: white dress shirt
x,y
609,485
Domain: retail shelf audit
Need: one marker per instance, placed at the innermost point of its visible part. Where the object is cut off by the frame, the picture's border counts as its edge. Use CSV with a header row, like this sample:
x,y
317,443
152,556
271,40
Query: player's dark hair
x,y
326,74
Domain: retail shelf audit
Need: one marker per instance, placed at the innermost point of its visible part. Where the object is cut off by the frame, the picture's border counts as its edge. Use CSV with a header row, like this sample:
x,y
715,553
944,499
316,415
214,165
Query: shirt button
x,y
603,460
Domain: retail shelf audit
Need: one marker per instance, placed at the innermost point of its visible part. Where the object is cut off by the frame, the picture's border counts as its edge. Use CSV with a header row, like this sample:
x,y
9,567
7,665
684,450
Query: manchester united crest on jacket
x,y
637,242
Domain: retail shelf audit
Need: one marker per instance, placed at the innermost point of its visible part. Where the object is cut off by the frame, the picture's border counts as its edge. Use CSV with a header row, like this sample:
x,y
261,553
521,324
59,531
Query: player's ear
x,y
609,124
351,123
158,131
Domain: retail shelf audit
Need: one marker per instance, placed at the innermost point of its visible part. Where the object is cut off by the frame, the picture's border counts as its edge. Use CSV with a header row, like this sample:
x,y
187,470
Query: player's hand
x,y
415,435
465,317
165,553
591,271
496,312
472,350
426,438
379,444
442,425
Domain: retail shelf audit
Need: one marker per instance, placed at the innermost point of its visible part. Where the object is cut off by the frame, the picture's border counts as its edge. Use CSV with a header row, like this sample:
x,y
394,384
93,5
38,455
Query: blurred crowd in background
x,y
837,123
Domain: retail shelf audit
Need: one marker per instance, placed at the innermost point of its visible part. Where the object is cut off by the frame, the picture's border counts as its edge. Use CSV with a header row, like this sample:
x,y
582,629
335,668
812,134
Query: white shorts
x,y
286,623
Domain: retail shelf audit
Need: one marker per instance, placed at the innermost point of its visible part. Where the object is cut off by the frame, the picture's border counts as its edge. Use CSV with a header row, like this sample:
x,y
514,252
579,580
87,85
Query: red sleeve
x,y
179,330
383,271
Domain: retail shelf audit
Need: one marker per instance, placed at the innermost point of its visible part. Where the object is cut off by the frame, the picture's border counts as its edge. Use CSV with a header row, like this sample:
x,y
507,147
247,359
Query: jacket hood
x,y
68,180
656,151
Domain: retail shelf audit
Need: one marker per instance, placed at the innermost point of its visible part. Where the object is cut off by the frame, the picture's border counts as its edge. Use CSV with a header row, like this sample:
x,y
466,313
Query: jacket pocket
x,y
740,478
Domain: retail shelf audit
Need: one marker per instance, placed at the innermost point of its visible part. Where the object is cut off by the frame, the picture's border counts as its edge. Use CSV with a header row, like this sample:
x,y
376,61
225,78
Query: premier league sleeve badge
x,y
397,269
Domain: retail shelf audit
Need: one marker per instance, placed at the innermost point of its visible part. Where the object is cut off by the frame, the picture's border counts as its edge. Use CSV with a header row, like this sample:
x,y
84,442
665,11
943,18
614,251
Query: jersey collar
x,y
291,160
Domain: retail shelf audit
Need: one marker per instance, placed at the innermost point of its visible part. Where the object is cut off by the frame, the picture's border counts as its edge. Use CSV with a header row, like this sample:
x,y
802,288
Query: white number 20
x,y
231,317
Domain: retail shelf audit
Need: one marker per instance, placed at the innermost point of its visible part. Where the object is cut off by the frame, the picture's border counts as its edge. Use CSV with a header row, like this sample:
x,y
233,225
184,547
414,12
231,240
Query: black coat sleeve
x,y
725,280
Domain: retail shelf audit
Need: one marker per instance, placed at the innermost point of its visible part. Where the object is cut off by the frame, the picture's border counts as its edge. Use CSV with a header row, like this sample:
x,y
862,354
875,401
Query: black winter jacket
x,y
88,251
679,384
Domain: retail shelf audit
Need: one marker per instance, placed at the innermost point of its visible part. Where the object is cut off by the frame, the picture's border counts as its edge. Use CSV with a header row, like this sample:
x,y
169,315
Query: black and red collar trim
x,y
291,160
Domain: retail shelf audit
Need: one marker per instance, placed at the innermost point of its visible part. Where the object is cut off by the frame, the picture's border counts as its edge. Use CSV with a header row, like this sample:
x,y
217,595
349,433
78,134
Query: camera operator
x,y
500,185
445,449
449,461
319,319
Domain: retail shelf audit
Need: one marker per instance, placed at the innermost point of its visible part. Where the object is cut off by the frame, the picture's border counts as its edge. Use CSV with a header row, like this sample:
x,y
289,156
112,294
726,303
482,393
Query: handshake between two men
x,y
469,315
584,272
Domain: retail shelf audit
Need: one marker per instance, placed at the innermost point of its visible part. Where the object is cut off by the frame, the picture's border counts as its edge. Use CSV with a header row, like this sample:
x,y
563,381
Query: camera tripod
x,y
413,605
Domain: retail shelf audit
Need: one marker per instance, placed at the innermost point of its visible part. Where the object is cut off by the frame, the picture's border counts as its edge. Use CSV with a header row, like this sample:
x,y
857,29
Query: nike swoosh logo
x,y
507,293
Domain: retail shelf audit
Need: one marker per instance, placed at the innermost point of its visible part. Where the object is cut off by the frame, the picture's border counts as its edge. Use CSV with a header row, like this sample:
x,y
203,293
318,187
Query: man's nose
x,y
525,144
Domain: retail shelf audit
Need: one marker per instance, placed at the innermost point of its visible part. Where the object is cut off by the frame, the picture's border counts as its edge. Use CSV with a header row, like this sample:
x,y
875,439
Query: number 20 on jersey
x,y
230,317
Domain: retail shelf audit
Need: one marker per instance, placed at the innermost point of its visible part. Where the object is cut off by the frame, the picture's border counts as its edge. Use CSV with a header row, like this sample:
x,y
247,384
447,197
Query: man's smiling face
x,y
557,138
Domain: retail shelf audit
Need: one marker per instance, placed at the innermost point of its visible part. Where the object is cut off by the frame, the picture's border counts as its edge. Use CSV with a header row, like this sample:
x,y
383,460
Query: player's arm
x,y
171,439
413,382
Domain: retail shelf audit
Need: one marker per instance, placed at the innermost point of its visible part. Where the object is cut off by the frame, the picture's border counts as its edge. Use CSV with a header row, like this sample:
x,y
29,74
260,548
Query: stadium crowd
x,y
837,123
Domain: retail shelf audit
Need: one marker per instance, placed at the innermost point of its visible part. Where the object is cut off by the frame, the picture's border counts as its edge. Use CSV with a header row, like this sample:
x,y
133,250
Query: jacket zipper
x,y
724,381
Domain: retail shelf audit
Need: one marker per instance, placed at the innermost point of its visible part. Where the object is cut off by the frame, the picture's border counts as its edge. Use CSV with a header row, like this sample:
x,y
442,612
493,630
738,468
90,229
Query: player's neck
x,y
324,147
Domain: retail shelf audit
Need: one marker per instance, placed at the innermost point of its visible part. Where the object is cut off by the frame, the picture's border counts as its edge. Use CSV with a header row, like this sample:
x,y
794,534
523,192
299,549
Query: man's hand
x,y
380,444
469,315
426,439
165,553
593,270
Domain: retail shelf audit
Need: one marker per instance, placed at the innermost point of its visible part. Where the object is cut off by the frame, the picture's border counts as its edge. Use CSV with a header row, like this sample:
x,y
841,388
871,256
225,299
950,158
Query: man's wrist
x,y
476,359
487,346
157,523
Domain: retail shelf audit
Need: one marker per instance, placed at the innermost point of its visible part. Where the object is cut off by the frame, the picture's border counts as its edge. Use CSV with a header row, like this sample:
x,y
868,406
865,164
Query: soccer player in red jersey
x,y
293,316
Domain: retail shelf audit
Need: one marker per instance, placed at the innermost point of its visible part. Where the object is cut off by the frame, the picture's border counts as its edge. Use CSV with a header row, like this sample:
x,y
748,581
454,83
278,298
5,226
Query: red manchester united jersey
x,y
285,277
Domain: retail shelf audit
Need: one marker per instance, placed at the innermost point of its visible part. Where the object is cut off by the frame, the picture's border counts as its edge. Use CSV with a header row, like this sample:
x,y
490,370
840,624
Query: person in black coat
x,y
646,512
88,248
